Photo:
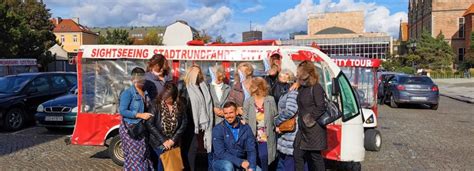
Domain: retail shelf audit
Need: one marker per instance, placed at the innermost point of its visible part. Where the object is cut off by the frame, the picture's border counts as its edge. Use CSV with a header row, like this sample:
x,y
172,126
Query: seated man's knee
x,y
222,165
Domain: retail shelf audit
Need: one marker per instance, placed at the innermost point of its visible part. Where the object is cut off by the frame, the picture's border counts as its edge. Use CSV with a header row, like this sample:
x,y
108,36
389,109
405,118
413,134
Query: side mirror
x,y
335,89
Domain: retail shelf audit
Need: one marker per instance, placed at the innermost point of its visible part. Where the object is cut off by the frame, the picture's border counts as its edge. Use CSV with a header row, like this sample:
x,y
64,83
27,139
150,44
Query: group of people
x,y
238,124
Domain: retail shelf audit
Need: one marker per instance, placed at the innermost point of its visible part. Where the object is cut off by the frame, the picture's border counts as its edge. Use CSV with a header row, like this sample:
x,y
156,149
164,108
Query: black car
x,y
413,90
21,94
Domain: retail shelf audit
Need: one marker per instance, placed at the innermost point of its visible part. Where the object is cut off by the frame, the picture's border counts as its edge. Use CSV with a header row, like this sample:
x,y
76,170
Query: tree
x,y
203,36
219,39
469,57
26,31
117,36
152,38
433,53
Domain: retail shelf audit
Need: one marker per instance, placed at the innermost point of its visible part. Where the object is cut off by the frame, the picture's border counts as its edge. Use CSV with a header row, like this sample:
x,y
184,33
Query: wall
x,y
318,22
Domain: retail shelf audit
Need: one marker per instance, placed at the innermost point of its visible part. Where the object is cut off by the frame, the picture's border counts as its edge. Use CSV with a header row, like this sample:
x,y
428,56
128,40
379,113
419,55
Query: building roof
x,y
335,30
404,31
69,25
470,10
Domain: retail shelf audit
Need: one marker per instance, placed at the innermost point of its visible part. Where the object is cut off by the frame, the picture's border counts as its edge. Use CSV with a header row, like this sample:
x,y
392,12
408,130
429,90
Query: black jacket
x,y
156,137
279,89
313,138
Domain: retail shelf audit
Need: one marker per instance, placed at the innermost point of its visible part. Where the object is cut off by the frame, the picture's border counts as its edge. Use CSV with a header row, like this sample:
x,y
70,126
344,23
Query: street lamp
x,y
412,46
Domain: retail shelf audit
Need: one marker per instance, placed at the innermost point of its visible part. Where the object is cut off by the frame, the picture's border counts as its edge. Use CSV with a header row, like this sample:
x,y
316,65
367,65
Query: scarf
x,y
201,105
169,119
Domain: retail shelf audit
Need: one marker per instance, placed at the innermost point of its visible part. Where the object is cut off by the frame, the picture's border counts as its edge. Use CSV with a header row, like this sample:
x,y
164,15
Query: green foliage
x,y
25,31
152,38
116,37
469,57
219,39
433,53
203,36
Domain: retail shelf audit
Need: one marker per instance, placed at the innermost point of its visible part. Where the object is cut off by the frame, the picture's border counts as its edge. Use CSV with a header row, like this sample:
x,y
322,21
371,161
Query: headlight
x,y
86,108
370,120
40,108
74,110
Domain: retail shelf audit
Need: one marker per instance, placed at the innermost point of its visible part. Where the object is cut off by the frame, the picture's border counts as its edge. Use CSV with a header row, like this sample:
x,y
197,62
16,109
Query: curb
x,y
458,98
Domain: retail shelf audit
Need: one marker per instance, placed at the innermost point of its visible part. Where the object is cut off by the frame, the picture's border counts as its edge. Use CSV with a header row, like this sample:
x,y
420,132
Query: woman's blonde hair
x,y
248,65
260,85
219,71
287,72
194,75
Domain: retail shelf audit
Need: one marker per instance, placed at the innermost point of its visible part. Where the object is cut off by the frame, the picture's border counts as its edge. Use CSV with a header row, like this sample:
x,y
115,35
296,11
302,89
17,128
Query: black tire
x,y
14,119
393,104
372,140
115,150
434,106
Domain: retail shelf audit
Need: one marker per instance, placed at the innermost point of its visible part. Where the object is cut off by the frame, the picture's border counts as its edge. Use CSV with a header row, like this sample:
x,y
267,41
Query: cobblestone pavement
x,y
413,139
424,139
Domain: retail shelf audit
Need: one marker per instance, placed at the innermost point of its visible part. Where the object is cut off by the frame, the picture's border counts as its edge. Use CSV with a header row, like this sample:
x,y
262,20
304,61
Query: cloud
x,y
377,17
212,20
253,9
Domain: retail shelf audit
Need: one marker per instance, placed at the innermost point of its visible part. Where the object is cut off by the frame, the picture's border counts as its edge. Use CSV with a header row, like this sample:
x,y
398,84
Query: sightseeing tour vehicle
x,y
104,71
362,73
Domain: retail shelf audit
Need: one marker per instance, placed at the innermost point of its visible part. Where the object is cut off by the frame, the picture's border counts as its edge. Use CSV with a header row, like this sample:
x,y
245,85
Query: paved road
x,y
423,139
414,139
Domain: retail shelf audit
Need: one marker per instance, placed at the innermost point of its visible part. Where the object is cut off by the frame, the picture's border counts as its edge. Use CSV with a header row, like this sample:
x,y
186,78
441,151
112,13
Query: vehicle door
x,y
37,92
391,85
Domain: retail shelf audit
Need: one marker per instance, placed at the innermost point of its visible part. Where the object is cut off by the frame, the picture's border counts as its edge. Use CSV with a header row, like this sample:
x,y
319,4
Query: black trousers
x,y
189,151
314,159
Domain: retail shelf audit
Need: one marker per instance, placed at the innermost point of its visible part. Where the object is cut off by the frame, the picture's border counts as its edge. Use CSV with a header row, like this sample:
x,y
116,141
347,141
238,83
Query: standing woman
x,y
287,109
259,112
200,116
240,90
132,107
219,93
157,75
167,125
311,138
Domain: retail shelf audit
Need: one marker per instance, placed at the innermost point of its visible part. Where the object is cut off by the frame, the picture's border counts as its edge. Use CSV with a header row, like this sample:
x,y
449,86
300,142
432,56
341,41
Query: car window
x,y
58,82
415,80
72,79
41,84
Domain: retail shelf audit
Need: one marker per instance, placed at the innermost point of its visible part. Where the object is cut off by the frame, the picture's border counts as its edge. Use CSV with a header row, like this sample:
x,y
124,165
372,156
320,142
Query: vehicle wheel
x,y
372,140
393,104
434,106
14,119
115,150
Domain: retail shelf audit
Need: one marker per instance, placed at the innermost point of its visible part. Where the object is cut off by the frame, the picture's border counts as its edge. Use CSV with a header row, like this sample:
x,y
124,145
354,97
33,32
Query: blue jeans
x,y
262,156
158,152
209,161
285,162
225,165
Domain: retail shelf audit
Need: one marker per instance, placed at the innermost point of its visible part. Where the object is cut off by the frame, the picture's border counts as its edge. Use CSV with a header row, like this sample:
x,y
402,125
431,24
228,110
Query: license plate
x,y
419,98
53,118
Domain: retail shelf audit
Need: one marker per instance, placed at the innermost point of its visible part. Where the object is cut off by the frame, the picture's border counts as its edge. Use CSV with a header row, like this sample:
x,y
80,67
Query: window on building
x,y
461,27
74,38
461,52
62,38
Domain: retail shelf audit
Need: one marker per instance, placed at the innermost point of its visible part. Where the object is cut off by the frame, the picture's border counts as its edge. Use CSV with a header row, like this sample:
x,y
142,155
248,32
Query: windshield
x,y
363,81
415,80
13,83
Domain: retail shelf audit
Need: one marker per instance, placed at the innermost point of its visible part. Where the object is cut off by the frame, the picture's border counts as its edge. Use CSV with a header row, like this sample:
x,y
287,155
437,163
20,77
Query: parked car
x,y
383,78
21,94
413,90
58,113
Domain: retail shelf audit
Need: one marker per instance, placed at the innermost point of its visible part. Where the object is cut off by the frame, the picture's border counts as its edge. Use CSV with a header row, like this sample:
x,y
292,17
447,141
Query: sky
x,y
229,18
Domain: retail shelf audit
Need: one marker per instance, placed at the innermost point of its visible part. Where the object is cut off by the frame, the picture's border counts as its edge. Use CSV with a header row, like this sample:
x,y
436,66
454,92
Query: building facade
x,y
440,16
335,36
251,36
71,35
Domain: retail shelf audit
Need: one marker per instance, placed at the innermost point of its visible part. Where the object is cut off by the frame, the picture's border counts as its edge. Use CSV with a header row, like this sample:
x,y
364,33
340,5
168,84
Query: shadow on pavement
x,y
12,142
101,155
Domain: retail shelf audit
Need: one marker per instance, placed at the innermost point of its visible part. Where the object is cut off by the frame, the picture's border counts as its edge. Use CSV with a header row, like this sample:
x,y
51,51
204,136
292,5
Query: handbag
x,y
331,114
135,131
288,125
172,160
